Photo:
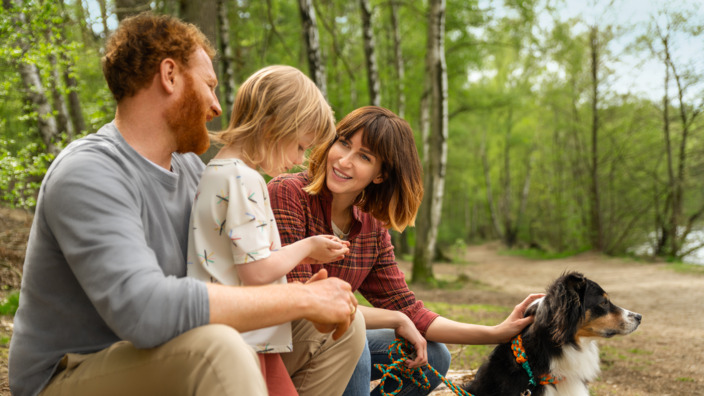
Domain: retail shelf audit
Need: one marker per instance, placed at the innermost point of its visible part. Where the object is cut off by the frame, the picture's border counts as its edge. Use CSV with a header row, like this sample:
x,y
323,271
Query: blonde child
x,y
233,239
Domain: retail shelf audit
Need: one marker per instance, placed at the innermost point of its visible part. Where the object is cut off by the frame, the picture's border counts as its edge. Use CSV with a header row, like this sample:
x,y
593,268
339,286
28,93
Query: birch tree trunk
x,y
436,160
400,240
312,45
63,122
369,54
33,88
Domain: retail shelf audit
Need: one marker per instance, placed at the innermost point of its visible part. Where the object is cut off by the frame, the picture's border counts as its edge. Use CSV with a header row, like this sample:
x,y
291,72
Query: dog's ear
x,y
567,305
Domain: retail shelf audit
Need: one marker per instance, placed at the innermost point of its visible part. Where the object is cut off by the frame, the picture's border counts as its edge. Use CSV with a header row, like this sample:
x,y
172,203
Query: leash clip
x,y
526,392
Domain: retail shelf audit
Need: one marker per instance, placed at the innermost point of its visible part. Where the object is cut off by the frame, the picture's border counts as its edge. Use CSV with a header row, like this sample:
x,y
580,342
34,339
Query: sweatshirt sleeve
x,y
97,215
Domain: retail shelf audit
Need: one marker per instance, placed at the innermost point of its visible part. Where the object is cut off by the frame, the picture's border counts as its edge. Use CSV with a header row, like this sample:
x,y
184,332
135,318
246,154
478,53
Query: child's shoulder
x,y
230,167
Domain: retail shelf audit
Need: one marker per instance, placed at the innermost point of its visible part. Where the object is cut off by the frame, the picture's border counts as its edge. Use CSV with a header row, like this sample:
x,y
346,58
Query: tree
x,y
227,61
595,225
435,145
370,53
34,88
673,226
316,66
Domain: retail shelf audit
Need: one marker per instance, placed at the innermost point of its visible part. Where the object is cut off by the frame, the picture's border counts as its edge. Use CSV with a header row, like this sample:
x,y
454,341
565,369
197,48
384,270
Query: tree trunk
x,y
338,51
124,9
227,61
64,123
431,209
312,45
34,89
496,224
369,53
398,62
74,102
104,16
48,129
506,204
596,228
204,14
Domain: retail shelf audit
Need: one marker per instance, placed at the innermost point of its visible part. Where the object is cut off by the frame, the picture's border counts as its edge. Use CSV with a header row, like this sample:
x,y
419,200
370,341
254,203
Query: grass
x,y
9,304
536,254
685,268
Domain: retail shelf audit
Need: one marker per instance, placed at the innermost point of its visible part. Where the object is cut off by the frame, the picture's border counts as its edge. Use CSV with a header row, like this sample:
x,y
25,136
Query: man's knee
x,y
358,329
221,361
218,342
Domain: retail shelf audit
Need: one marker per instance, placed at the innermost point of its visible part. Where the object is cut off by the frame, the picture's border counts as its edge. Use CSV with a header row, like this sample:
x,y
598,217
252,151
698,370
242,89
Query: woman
x,y
358,186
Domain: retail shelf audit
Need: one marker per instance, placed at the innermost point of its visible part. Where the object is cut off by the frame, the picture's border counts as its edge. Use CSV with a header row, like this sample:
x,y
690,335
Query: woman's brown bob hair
x,y
394,201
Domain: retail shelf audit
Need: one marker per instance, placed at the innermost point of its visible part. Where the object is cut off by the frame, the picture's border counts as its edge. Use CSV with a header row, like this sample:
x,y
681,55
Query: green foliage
x,y
21,174
519,93
9,304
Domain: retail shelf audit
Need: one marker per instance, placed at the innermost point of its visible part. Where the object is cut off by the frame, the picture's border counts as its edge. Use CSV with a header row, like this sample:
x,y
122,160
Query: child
x,y
233,239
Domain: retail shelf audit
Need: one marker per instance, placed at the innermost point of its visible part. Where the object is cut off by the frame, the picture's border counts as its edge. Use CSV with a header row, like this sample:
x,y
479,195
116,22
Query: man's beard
x,y
187,118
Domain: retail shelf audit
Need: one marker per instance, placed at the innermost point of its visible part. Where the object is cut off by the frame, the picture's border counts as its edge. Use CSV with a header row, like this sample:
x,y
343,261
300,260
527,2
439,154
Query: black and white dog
x,y
557,354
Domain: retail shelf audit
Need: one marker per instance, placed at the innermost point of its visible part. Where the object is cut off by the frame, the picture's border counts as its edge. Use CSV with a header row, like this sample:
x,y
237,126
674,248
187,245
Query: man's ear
x,y
167,74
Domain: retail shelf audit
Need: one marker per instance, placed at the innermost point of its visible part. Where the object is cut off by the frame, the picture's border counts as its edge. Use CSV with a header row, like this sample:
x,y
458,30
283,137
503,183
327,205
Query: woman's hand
x,y
409,331
515,323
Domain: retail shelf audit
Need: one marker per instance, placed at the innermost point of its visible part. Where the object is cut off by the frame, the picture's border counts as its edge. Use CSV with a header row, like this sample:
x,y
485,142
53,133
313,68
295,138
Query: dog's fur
x,y
561,341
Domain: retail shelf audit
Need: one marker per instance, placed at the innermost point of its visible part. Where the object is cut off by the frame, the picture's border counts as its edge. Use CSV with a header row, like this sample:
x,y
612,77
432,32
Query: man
x,y
104,307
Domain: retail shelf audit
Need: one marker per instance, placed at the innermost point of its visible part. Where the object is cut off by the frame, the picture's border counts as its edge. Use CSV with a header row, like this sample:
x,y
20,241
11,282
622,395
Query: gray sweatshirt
x,y
106,258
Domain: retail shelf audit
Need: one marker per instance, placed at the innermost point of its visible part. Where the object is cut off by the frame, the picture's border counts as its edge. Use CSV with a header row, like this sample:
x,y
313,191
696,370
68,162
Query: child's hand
x,y
325,249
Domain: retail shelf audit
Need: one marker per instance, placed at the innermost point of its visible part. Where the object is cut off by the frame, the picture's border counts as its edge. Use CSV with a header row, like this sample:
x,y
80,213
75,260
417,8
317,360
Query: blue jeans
x,y
377,352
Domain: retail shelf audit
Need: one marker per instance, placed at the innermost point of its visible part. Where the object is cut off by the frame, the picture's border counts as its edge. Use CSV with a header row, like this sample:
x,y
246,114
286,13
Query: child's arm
x,y
316,249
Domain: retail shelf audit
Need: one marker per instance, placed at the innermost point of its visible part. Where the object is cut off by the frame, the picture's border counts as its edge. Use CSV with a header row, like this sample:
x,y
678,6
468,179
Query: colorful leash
x,y
522,359
401,346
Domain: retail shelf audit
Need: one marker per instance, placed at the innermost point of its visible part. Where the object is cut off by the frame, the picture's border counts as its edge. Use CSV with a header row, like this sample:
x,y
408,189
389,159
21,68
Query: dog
x,y
557,354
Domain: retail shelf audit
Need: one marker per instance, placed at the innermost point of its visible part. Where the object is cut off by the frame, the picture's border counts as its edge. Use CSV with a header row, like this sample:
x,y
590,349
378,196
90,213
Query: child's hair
x,y
135,50
272,107
396,200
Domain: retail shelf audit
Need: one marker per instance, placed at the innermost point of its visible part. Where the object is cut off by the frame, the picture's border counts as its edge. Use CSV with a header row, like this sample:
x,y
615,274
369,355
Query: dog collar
x,y
521,358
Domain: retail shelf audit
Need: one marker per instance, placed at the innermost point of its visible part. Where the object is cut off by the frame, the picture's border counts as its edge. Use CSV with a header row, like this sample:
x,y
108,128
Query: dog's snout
x,y
636,316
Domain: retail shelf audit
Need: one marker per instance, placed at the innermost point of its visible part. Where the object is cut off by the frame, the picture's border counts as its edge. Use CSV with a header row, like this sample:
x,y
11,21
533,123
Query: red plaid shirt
x,y
370,266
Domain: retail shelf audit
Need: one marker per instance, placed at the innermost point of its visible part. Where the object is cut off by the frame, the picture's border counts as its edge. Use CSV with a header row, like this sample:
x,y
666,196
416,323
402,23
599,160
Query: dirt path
x,y
665,356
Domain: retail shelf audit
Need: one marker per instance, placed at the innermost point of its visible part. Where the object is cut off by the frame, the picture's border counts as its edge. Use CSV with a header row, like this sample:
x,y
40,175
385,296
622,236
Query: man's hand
x,y
334,304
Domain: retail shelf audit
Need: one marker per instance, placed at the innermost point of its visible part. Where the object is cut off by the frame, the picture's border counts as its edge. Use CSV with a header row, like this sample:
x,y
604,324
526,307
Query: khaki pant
x,y
208,360
320,366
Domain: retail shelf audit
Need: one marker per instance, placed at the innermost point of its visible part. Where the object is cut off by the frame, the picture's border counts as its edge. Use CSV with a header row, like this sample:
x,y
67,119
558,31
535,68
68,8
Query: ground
x,y
663,357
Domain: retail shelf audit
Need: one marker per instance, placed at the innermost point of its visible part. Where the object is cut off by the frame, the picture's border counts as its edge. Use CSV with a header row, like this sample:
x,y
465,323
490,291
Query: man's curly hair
x,y
135,50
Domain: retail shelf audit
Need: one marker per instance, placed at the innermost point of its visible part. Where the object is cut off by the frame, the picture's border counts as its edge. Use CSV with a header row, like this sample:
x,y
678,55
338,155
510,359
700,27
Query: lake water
x,y
694,239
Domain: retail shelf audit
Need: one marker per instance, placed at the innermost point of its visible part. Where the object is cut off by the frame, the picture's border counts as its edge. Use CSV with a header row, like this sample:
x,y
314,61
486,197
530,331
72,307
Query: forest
x,y
548,130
